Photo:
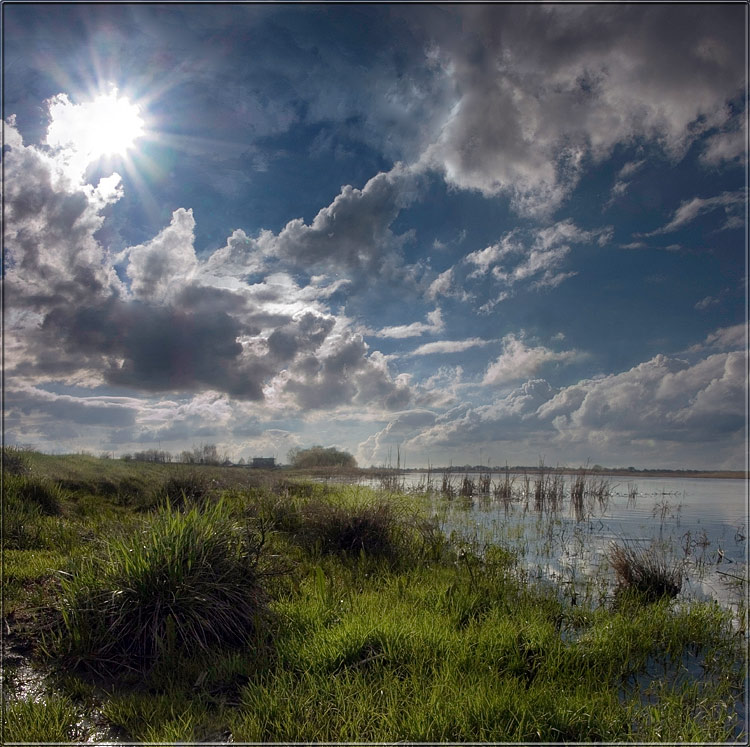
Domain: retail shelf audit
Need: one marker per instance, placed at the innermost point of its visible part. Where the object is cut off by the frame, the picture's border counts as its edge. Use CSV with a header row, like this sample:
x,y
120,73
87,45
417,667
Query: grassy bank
x,y
165,603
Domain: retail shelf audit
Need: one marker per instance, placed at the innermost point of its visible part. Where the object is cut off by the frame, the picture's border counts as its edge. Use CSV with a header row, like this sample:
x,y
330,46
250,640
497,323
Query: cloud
x,y
659,412
689,210
34,402
382,447
622,184
449,346
724,338
534,256
162,266
434,325
662,399
726,147
353,231
519,361
177,324
52,255
532,107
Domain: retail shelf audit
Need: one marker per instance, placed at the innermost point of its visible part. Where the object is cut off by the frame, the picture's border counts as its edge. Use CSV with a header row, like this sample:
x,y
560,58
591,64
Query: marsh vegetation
x,y
168,602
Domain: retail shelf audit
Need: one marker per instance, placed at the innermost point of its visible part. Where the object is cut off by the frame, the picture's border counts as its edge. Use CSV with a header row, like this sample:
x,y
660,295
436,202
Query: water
x,y
701,522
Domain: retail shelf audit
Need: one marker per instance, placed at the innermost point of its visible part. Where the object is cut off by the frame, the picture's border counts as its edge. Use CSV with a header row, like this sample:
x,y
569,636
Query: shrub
x,y
318,456
189,580
648,571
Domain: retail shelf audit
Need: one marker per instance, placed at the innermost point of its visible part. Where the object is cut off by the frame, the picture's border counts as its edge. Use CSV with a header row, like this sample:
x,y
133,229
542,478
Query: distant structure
x,y
264,462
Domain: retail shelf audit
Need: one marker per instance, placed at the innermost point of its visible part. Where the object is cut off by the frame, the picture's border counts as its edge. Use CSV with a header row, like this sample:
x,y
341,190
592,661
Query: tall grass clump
x,y
377,530
189,580
29,491
648,571
15,461
28,504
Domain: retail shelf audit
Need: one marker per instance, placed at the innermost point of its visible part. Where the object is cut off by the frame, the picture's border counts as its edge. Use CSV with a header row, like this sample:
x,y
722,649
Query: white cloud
x,y
689,210
724,338
449,346
434,325
662,412
160,268
519,361
540,256
530,107
353,231
726,147
383,446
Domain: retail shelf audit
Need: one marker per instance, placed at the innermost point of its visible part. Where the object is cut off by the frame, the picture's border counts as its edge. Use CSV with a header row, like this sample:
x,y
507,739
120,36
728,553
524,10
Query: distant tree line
x,y
203,454
319,456
150,455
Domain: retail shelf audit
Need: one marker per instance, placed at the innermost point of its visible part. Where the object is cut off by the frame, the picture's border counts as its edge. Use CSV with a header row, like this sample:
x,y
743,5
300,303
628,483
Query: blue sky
x,y
490,233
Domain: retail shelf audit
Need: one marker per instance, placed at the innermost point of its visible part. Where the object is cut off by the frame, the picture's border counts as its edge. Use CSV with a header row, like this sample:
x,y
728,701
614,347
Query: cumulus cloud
x,y
664,398
621,417
354,230
178,324
163,265
531,107
519,361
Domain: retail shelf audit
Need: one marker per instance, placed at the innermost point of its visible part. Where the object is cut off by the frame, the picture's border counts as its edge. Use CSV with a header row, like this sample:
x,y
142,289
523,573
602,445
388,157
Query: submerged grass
x,y
382,628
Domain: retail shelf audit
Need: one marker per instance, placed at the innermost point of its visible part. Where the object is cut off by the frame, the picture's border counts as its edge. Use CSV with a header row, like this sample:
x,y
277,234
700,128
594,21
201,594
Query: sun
x,y
107,125
114,126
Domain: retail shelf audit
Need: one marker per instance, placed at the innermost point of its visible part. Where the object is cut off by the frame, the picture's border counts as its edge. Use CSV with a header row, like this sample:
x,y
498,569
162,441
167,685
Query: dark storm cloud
x,y
158,348
306,334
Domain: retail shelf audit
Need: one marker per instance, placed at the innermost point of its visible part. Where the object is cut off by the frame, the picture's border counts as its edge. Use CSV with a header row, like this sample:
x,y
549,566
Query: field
x,y
167,603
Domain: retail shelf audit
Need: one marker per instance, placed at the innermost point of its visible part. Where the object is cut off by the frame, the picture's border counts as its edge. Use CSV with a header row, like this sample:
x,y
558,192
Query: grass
x,y
648,571
187,580
277,610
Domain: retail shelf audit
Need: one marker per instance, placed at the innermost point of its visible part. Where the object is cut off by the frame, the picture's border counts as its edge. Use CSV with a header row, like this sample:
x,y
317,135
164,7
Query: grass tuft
x,y
375,530
648,571
187,581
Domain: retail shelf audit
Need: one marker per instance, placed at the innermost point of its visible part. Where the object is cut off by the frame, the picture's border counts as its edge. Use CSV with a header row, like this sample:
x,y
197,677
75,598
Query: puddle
x,y
24,681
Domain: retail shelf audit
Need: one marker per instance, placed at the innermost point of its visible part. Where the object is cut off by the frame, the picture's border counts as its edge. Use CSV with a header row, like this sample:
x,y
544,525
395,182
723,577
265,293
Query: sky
x,y
452,234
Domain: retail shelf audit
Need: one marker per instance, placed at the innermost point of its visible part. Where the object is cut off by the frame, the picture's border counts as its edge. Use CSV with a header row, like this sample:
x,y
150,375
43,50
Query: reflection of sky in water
x,y
702,521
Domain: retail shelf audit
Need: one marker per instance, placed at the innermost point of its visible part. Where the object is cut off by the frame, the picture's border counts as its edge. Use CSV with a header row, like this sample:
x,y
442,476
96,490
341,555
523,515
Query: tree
x,y
319,456
203,454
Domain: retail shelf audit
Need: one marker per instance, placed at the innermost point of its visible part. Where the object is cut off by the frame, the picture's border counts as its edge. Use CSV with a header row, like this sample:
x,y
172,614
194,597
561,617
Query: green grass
x,y
53,720
187,580
274,611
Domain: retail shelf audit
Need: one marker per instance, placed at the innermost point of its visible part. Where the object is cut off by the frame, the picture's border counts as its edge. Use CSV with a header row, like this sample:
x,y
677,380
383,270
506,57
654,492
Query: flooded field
x,y
564,535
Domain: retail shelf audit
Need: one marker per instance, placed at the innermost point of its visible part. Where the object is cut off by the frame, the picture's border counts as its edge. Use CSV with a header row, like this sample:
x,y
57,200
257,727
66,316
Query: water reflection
x,y
562,527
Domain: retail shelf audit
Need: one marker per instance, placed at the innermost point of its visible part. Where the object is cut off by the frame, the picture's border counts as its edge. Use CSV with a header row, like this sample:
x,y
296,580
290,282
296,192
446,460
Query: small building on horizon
x,y
264,462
